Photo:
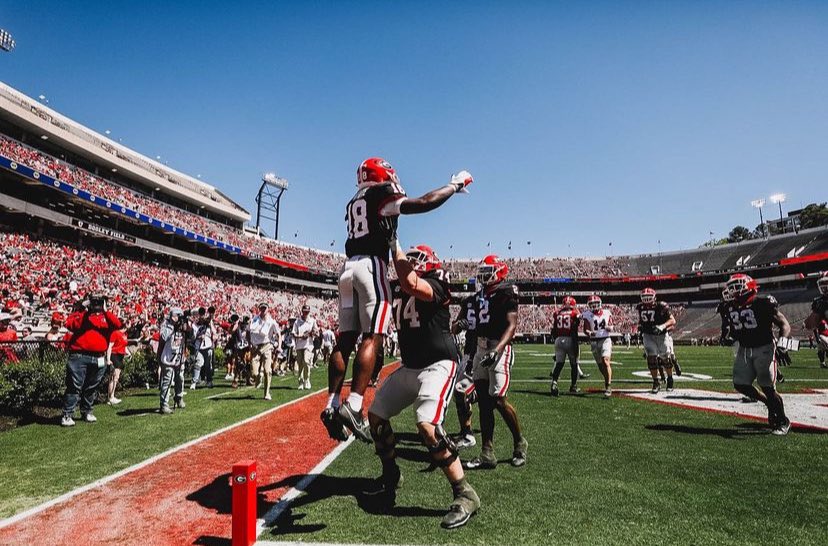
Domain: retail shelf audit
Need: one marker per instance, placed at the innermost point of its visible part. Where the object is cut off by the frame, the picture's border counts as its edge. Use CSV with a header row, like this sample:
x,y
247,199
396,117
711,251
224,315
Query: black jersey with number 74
x,y
423,326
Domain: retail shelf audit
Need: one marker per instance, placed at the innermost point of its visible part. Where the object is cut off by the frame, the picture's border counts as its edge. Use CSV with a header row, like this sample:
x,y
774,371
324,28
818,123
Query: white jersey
x,y
328,338
599,322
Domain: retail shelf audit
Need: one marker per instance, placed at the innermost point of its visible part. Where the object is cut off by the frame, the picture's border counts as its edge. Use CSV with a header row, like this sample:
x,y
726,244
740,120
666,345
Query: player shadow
x,y
290,519
136,411
741,430
699,398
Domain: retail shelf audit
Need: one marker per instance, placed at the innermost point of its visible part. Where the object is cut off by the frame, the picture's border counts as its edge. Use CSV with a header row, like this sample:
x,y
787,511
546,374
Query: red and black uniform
x,y
651,315
492,310
369,228
424,326
820,307
565,323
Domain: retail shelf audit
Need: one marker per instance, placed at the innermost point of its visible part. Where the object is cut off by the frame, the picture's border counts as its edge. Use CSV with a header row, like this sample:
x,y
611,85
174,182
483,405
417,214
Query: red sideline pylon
x,y
243,482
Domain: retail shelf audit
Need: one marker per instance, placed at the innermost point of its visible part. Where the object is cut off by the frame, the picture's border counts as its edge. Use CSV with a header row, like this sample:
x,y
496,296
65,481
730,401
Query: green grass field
x,y
600,471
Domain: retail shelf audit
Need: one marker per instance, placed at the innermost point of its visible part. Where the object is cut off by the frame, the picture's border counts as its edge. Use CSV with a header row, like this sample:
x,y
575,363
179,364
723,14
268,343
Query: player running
x,y
752,318
426,380
818,319
598,325
496,316
655,320
464,391
364,293
565,325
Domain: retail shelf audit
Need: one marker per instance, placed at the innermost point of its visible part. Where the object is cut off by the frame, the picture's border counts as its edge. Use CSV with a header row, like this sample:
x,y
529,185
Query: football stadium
x,y
437,370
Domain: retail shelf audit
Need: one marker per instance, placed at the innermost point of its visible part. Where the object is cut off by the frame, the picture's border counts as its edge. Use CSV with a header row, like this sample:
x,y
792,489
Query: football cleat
x,y
782,428
519,454
607,392
485,461
554,389
465,441
355,422
335,429
656,388
463,507
574,390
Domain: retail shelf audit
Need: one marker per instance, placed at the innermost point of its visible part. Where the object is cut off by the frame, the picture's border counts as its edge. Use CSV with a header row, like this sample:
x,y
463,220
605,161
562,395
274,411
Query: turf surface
x,y
599,472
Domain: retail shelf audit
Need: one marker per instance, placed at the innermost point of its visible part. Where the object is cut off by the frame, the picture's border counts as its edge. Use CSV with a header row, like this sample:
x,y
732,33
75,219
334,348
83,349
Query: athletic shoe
x,y
67,421
608,392
259,383
307,385
823,365
656,388
779,377
267,396
583,375
335,429
301,386
463,507
166,410
113,401
782,428
465,441
519,454
485,461
670,388
355,422
574,390
179,404
554,389
192,386
88,418
228,377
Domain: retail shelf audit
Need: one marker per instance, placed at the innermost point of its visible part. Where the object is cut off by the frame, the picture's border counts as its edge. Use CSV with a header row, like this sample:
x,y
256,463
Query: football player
x,y
818,319
425,380
655,320
598,325
496,316
464,392
364,292
565,326
752,317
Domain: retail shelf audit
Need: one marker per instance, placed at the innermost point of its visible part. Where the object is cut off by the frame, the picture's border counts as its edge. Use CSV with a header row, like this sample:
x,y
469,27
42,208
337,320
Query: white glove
x,y
659,329
394,245
460,180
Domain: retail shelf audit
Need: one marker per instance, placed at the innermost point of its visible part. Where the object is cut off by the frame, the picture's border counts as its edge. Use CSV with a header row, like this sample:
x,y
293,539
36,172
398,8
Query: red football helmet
x,y
648,295
594,302
741,286
491,270
822,284
376,170
423,259
570,302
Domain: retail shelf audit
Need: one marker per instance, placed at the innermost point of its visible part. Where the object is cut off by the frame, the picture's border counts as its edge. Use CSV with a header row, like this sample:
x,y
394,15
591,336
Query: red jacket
x,y
91,331
119,342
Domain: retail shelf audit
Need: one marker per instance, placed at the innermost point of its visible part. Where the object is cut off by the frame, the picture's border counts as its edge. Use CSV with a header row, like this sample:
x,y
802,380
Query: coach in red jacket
x,y
91,328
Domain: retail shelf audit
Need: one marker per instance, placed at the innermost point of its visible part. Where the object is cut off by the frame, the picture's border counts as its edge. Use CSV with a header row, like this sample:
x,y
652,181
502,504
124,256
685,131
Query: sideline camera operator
x,y
91,326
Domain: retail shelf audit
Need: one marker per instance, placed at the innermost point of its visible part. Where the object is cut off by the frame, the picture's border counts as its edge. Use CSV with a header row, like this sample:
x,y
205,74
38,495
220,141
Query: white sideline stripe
x,y
283,543
103,481
273,514
622,380
219,395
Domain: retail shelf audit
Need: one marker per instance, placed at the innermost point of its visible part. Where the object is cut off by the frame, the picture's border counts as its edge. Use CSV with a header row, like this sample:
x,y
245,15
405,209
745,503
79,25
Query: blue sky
x,y
583,123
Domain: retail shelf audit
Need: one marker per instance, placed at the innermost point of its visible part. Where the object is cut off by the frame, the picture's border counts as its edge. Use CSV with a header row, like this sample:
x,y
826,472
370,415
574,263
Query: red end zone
x,y
185,496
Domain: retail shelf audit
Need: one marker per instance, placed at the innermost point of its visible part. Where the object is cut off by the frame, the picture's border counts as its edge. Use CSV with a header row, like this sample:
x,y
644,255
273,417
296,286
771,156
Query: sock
x,y
573,374
355,401
459,486
556,373
670,382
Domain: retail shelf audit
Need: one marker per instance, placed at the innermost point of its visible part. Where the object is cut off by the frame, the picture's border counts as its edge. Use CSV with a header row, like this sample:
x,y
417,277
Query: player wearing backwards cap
x,y
598,325
655,320
426,380
495,316
818,319
565,324
364,293
752,317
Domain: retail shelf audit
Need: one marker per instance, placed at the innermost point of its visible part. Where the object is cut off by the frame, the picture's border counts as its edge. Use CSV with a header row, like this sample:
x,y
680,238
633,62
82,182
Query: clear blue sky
x,y
583,123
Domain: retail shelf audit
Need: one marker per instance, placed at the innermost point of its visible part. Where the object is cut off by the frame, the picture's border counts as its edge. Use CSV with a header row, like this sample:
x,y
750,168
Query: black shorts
x,y
117,361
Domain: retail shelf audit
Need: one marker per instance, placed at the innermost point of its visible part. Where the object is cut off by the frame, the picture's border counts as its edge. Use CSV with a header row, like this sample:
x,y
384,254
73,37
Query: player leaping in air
x,y
364,292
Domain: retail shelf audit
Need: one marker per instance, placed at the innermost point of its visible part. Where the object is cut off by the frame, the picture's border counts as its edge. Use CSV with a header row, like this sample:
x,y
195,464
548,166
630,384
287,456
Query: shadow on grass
x,y
740,430
136,411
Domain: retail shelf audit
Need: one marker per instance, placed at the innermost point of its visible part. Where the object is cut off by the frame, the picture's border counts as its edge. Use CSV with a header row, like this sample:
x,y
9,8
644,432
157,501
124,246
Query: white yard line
x,y
102,481
273,514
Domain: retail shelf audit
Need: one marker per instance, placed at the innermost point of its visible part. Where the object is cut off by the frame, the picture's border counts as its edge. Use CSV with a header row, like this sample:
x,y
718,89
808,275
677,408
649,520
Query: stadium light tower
x,y
6,41
758,204
269,199
779,198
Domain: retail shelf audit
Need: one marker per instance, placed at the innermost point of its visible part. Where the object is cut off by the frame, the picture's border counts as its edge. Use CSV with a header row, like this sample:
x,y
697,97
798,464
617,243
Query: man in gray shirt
x,y
171,359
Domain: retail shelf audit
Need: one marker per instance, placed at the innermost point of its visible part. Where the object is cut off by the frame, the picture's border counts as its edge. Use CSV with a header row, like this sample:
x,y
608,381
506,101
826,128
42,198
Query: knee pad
x,y
444,443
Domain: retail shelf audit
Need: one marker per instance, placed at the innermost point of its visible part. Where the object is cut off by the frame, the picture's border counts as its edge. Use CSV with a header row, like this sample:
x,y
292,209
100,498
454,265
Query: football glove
x,y
460,180
469,368
659,329
462,323
489,359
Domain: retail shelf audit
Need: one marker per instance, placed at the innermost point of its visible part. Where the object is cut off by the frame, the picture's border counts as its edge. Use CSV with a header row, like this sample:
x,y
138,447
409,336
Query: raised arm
x,y
435,198
409,281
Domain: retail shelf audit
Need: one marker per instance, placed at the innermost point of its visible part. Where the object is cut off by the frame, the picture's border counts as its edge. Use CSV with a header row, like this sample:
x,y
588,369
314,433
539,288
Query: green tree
x,y
739,233
814,215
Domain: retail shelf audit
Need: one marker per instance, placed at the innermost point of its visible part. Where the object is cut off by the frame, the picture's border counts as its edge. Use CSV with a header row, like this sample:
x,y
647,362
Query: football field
x,y
599,471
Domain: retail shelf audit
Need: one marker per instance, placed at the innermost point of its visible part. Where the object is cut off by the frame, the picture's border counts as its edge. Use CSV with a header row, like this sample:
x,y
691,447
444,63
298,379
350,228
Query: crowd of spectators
x,y
540,268
117,194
